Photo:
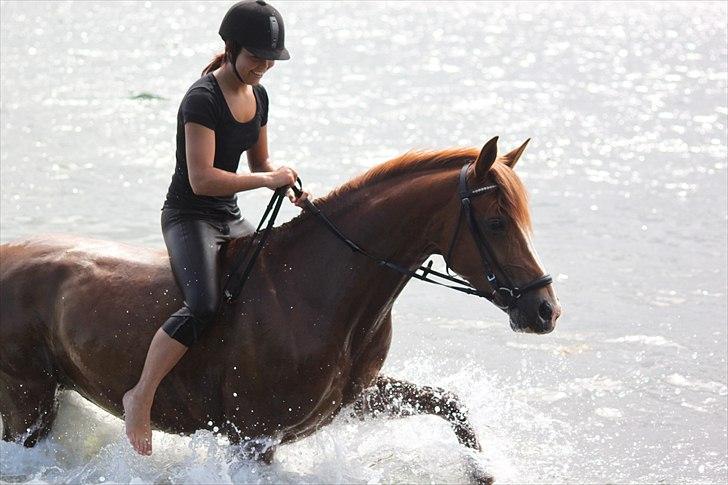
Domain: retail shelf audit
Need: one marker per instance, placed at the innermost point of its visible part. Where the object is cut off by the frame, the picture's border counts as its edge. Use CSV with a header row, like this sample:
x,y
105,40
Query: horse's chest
x,y
368,352
346,378
297,391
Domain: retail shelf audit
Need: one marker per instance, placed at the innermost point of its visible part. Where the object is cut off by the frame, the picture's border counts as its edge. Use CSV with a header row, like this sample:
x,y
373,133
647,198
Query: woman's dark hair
x,y
232,49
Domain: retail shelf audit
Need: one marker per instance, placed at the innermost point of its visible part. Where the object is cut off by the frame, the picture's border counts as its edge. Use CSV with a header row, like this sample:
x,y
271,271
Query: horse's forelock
x,y
512,195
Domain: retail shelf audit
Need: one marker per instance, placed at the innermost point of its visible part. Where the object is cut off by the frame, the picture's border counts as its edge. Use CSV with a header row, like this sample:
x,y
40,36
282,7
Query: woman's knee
x,y
184,328
187,324
204,309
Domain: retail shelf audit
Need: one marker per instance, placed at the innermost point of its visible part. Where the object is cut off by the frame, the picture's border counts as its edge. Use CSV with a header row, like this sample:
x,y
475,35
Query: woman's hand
x,y
286,176
282,177
299,201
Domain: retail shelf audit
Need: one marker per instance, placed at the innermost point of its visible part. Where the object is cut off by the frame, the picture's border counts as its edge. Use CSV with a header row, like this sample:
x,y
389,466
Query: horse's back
x,y
53,248
55,289
33,270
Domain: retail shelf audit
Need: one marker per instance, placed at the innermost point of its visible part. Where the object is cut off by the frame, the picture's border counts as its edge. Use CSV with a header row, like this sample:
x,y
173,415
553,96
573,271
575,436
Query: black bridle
x,y
502,289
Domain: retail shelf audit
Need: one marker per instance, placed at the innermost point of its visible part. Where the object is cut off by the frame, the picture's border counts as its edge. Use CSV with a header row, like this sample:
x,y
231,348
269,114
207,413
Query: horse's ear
x,y
512,157
486,158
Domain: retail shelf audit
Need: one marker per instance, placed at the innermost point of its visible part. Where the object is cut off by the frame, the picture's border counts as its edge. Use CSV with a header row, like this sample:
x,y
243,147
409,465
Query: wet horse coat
x,y
308,335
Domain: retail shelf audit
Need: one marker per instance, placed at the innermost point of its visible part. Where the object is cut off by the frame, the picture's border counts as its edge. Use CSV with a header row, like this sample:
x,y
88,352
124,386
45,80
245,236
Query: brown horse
x,y
309,333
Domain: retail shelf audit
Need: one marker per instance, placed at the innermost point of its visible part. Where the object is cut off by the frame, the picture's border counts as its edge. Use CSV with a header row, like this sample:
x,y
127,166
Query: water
x,y
627,107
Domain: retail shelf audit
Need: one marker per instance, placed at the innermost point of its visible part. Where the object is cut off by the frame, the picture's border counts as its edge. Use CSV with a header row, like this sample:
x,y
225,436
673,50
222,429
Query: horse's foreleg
x,y
397,398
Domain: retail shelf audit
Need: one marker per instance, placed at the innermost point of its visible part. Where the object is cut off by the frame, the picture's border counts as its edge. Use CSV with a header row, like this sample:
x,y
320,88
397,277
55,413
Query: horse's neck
x,y
391,219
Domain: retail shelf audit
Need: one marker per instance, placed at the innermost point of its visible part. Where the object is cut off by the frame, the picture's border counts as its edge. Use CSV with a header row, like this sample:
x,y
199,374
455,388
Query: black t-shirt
x,y
205,104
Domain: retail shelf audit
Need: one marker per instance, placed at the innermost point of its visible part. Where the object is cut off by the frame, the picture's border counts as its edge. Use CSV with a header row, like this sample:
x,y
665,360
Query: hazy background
x,y
626,105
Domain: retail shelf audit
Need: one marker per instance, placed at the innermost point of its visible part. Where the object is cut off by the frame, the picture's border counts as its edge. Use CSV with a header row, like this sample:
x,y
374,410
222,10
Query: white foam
x,y
596,384
653,340
545,395
693,407
697,385
611,413
551,347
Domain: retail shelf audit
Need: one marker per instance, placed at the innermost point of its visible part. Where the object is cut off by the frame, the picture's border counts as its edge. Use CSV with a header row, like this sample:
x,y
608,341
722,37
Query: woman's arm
x,y
258,162
258,153
208,180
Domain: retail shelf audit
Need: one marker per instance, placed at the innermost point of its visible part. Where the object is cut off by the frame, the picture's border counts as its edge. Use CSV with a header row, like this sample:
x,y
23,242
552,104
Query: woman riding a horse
x,y
283,359
222,115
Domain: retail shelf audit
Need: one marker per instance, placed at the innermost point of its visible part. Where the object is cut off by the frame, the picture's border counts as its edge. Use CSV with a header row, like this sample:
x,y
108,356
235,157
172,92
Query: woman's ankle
x,y
138,397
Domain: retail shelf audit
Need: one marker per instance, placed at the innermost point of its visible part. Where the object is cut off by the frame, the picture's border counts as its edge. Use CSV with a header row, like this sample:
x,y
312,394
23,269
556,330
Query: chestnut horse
x,y
309,333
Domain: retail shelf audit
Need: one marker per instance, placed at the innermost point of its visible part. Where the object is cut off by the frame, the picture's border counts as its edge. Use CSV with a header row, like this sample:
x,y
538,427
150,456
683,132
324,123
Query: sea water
x,y
626,107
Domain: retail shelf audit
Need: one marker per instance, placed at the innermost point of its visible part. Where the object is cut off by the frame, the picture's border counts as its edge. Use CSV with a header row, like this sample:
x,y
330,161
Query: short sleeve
x,y
263,99
198,106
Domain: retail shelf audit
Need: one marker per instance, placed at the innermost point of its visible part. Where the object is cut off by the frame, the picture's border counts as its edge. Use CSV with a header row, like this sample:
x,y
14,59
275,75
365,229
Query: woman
x,y
223,114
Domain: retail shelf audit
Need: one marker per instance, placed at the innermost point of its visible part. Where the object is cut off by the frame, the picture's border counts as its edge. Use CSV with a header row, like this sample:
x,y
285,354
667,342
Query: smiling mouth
x,y
259,74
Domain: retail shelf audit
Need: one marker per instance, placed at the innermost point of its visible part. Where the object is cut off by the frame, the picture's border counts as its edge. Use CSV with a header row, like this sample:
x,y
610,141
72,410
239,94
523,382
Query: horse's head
x,y
488,241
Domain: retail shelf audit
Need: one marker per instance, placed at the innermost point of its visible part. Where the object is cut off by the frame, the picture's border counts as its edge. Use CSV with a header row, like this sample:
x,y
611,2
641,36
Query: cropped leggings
x,y
193,243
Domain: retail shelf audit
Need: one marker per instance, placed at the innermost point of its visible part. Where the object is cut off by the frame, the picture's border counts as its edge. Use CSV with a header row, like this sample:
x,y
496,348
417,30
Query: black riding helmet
x,y
256,26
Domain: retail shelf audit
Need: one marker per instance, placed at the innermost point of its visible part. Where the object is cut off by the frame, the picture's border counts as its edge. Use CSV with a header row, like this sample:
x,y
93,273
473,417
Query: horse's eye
x,y
496,224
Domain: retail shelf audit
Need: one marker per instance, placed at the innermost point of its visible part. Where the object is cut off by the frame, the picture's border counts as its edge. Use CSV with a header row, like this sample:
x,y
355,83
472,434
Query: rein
x,y
236,279
504,289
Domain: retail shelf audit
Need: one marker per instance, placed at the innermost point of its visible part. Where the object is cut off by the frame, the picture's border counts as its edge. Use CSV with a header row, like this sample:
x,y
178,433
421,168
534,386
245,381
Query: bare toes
x,y
138,447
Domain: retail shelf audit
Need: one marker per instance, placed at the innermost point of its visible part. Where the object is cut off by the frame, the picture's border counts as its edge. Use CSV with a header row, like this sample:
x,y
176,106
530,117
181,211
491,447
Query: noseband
x,y
503,289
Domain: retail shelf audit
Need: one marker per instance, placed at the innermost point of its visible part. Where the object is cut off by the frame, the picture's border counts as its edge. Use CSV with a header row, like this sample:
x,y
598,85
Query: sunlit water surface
x,y
626,107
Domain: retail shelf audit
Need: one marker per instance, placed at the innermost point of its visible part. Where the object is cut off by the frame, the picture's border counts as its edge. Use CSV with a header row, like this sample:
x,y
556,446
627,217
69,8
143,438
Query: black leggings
x,y
193,243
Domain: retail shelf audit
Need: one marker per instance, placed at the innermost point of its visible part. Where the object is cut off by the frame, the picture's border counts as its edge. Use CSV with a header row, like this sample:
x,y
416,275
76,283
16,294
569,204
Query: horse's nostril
x,y
545,311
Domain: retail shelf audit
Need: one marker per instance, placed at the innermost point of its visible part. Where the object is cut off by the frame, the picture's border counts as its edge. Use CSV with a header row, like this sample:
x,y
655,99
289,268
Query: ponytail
x,y
216,62
232,50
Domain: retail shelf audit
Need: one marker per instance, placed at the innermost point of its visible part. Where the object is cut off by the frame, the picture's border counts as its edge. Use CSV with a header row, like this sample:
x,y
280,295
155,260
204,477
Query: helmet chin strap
x,y
235,69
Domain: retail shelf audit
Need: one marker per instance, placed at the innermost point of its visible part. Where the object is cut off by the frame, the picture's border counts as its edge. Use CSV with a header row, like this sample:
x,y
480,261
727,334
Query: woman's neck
x,y
228,80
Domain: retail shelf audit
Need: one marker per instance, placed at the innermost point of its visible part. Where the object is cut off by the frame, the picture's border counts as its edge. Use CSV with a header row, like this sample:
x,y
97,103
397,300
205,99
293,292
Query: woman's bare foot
x,y
136,420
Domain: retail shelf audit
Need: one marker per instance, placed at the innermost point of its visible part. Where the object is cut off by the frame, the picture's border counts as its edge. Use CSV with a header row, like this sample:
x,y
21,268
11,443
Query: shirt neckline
x,y
227,107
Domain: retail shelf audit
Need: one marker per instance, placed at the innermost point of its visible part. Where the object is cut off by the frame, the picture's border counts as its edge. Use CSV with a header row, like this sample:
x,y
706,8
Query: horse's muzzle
x,y
541,321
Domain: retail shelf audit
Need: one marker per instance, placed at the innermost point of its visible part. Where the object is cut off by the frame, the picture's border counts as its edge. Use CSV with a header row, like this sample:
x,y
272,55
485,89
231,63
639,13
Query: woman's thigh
x,y
193,245
239,228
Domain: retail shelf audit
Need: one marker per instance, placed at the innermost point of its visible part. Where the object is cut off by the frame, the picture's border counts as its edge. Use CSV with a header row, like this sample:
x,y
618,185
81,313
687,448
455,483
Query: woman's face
x,y
252,68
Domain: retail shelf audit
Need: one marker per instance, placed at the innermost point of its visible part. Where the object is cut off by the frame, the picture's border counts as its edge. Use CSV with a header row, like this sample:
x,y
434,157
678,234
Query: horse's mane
x,y
512,198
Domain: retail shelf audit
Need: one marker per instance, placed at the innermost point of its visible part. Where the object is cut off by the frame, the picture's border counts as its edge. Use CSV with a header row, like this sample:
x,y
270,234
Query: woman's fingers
x,y
292,173
301,201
